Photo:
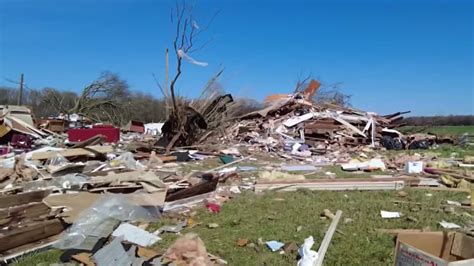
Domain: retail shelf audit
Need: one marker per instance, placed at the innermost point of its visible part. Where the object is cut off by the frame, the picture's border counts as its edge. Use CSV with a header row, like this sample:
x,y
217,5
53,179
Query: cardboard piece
x,y
75,203
432,248
88,151
84,258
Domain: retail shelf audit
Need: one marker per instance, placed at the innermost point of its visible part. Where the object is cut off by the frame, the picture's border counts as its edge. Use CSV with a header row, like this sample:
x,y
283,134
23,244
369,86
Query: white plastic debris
x,y
191,60
127,160
449,225
414,167
235,189
372,164
297,119
389,215
195,24
231,151
274,245
153,128
228,170
135,235
308,256
452,202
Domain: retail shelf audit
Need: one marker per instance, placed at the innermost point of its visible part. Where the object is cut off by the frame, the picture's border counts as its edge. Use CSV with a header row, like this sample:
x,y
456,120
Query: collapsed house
x,y
81,195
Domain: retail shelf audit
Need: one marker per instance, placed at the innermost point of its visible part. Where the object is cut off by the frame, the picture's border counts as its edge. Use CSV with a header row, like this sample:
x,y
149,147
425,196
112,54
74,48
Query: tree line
x,y
106,99
450,120
109,99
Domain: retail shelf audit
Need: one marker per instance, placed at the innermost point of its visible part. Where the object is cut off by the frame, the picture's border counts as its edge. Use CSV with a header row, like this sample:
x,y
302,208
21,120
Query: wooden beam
x,y
23,198
30,233
201,188
18,213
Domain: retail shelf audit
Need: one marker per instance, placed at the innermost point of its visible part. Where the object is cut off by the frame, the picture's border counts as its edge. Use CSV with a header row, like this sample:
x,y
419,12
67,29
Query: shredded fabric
x,y
195,25
191,60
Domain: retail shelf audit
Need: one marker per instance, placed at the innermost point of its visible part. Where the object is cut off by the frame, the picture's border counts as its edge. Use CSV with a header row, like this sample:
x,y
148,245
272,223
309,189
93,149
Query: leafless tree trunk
x,y
184,44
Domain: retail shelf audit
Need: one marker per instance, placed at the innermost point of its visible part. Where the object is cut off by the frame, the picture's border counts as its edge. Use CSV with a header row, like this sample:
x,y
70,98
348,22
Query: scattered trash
x,y
274,245
213,225
373,164
449,225
414,167
241,242
416,248
295,168
213,207
452,202
90,182
389,215
308,256
402,194
187,250
135,235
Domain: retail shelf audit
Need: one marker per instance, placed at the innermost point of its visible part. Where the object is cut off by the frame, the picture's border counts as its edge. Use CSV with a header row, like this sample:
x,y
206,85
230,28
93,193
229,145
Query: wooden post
x,y
167,72
166,82
20,93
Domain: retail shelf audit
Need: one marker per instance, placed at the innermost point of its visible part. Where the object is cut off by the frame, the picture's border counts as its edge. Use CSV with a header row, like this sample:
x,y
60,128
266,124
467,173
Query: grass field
x,y
439,130
276,216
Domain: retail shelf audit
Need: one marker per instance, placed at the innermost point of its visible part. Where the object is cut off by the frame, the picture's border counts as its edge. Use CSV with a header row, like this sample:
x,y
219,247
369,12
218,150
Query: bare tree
x,y
102,100
185,43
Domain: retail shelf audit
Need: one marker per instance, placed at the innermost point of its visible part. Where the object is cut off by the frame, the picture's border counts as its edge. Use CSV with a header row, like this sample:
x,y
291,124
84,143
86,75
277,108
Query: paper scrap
x,y
452,202
274,245
449,225
389,215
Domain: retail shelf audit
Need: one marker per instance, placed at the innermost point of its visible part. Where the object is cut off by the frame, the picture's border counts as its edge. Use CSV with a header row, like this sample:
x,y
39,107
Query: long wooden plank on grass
x,y
23,198
88,151
327,239
30,233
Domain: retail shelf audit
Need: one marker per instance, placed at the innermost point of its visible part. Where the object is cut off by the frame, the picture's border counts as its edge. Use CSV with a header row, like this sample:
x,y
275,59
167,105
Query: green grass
x,y
439,130
275,216
336,169
440,151
46,257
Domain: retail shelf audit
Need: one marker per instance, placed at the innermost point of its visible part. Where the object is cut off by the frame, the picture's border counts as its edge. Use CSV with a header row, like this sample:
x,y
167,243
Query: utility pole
x,y
166,81
167,72
20,93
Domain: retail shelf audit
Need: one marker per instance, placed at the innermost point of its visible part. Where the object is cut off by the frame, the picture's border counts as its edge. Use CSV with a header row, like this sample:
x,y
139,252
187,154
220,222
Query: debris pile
x,y
296,123
92,190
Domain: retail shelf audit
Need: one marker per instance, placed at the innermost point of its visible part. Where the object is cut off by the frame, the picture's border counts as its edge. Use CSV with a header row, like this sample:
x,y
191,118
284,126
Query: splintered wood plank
x,y
7,201
198,189
18,213
30,233
463,246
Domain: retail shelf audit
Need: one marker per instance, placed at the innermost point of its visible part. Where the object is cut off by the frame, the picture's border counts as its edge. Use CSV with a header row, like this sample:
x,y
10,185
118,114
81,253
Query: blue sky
x,y
390,55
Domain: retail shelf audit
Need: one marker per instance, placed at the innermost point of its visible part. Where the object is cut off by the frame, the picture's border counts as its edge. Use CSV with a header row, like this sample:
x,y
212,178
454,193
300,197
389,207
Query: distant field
x,y
439,130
